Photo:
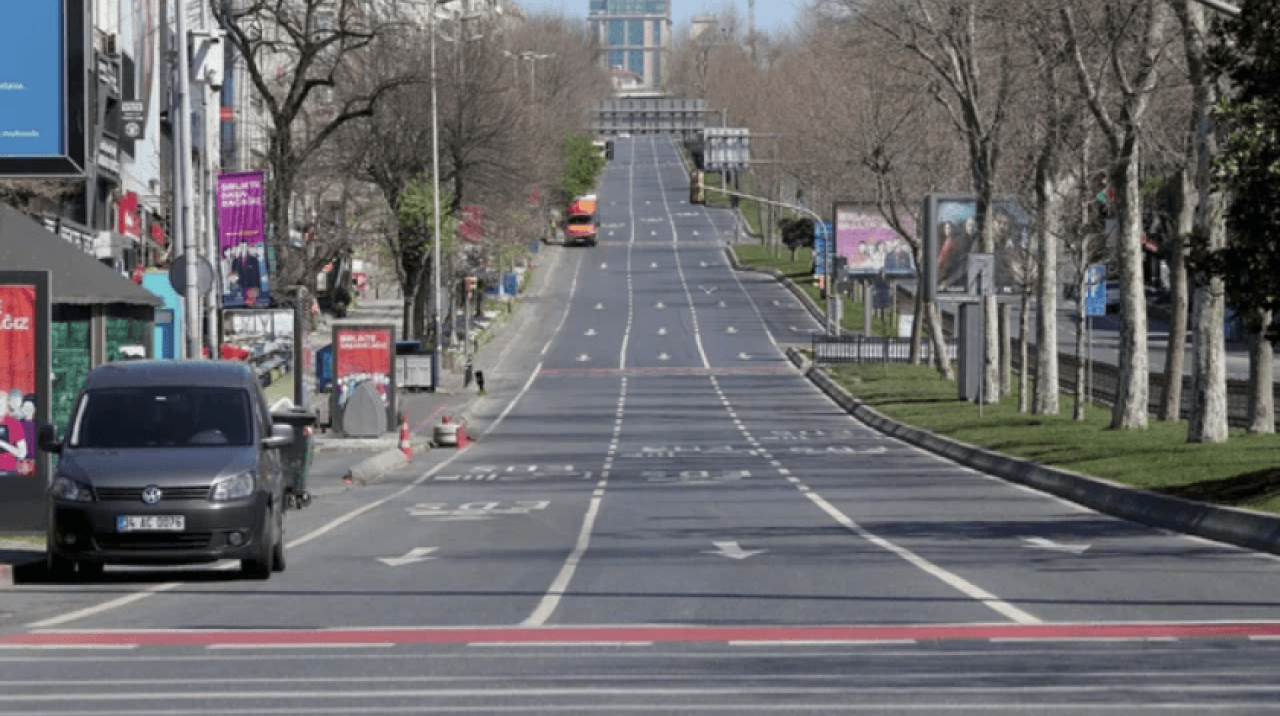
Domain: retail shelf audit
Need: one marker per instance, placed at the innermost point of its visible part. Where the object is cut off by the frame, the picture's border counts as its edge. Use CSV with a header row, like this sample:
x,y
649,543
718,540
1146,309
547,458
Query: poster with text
x,y
25,387
18,400
242,247
360,355
870,245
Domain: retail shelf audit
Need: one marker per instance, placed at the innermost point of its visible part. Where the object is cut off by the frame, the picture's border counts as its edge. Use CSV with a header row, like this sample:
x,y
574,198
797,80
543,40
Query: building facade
x,y
635,36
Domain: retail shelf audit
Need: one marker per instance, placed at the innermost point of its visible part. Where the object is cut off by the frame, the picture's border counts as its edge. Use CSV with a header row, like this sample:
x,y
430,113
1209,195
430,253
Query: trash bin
x,y
324,368
296,458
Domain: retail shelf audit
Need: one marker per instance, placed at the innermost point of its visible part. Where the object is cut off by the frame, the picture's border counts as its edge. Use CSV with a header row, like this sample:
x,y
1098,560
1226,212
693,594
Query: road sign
x,y
1095,297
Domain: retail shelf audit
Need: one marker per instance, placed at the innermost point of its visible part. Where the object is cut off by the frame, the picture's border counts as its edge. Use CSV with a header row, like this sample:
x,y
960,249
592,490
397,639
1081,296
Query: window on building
x,y
635,33
599,6
657,32
617,33
617,58
635,61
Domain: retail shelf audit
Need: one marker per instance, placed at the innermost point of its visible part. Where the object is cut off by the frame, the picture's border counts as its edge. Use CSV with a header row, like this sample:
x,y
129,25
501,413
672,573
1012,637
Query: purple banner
x,y
241,245
870,245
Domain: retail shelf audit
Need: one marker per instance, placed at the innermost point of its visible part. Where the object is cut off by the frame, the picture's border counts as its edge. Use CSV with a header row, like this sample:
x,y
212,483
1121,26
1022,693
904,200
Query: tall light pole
x,y
435,191
533,71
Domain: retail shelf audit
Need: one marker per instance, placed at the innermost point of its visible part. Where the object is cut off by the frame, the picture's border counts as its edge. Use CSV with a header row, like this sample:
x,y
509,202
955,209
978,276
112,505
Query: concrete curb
x,y
814,309
371,469
1243,528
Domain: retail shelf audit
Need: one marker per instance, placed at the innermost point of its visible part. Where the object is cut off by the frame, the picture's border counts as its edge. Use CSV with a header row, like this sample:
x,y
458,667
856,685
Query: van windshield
x,y
166,416
580,220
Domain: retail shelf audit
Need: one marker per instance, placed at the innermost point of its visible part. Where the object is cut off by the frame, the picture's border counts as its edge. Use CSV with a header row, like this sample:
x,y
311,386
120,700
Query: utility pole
x,y
182,195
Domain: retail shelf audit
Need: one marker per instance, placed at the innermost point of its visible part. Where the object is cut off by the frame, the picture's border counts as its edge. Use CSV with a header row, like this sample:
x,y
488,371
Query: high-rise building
x,y
635,36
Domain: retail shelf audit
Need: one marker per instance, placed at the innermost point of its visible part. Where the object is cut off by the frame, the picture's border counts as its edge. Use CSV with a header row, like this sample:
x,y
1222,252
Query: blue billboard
x,y
42,88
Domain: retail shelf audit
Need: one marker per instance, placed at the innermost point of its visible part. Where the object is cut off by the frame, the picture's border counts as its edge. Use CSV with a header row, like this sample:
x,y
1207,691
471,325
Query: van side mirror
x,y
281,437
47,439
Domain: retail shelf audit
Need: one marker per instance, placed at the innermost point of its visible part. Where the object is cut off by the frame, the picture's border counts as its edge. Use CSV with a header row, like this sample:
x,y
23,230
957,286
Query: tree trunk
x,y
1262,402
1049,198
940,358
1133,391
1208,423
917,325
1175,358
1077,412
1024,329
1005,312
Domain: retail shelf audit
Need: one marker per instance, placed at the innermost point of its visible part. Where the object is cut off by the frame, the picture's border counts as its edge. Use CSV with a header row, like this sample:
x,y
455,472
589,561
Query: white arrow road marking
x,y
722,304
664,356
417,554
731,329
743,356
777,303
662,331
730,549
653,233
590,332
583,358
706,290
599,306
653,265
701,264
660,305
611,233
695,233
1043,543
604,266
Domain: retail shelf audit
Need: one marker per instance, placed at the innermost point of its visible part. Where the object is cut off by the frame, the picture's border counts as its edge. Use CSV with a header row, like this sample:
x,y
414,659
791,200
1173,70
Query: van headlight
x,y
64,488
233,487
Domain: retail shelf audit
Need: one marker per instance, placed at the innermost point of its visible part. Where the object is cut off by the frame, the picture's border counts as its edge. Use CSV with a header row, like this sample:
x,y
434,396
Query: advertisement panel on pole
x,y
363,353
241,240
42,92
24,397
871,245
952,233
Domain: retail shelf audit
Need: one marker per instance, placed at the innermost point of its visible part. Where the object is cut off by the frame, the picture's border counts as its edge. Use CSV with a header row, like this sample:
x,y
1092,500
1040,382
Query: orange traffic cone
x,y
405,447
462,436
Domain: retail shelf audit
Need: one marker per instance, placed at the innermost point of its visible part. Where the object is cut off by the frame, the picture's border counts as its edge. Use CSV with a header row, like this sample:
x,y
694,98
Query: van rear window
x,y
167,416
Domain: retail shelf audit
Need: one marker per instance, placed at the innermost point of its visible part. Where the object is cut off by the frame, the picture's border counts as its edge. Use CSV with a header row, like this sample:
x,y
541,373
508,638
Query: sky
x,y
771,15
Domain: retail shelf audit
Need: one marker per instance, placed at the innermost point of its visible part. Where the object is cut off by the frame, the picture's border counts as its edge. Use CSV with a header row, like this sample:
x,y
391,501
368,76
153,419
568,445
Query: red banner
x,y
17,380
129,223
472,227
359,355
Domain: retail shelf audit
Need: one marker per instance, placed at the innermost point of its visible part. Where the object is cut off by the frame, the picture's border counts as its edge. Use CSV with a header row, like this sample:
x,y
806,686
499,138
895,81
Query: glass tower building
x,y
633,35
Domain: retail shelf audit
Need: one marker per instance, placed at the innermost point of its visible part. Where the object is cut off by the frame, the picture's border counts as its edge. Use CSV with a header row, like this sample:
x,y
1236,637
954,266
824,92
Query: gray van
x,y
168,462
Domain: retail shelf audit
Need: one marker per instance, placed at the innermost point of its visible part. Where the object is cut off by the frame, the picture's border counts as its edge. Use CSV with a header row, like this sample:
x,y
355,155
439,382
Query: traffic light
x,y
470,283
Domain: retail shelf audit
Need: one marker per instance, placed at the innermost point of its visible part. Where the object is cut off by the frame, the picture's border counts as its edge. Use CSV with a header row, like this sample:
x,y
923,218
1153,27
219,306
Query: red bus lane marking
x,y
654,634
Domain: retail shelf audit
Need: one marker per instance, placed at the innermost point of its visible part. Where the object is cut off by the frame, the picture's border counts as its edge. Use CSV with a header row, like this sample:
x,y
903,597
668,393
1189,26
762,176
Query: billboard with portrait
x,y
24,397
871,247
241,240
43,75
952,233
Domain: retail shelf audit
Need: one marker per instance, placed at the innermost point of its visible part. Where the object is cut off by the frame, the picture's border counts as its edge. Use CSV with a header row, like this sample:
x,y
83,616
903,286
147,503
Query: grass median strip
x,y
1241,472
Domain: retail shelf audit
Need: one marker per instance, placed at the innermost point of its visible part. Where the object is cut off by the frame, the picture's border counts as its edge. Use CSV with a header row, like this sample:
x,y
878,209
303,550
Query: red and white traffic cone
x,y
462,436
405,447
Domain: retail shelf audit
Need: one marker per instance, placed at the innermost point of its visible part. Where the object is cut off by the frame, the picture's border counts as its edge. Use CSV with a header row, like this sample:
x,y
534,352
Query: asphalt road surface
x,y
662,516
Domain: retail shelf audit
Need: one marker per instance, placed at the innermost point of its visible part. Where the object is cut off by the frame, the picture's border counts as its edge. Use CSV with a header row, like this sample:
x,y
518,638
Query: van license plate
x,y
151,523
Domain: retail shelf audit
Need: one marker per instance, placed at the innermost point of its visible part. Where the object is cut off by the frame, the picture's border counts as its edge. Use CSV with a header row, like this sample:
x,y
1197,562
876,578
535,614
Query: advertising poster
x,y
24,397
17,380
31,87
956,231
241,241
870,246
359,355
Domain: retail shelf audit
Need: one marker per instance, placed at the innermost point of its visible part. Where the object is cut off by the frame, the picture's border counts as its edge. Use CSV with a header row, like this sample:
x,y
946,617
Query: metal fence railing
x,y
857,349
844,350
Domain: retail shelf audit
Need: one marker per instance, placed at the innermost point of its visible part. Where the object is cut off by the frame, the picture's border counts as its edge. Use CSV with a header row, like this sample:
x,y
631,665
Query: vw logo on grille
x,y
151,494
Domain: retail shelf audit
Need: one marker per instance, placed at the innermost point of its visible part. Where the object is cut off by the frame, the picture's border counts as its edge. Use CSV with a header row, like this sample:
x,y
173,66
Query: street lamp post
x,y
533,71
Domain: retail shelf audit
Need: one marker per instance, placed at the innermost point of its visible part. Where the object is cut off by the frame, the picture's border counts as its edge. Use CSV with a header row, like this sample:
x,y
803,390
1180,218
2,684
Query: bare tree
x,y
1129,42
1208,422
298,55
971,58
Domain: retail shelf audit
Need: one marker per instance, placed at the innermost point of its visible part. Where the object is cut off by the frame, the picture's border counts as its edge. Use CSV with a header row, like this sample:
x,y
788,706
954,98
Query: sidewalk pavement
x,y
451,398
